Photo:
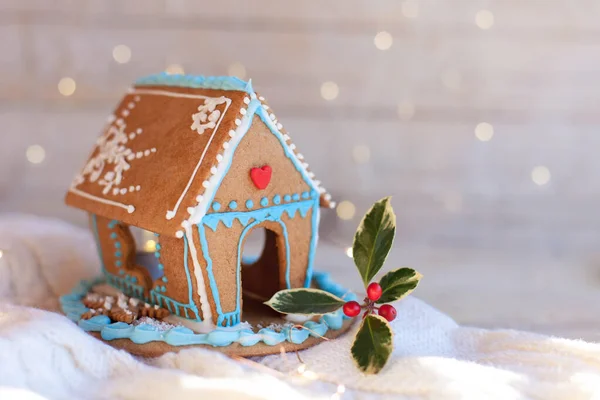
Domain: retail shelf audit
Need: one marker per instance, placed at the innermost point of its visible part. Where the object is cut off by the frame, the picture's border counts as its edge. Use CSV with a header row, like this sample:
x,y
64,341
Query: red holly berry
x,y
374,291
352,308
388,312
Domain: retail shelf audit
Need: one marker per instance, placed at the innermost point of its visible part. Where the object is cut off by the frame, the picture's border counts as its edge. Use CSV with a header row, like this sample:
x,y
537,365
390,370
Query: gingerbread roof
x,y
147,169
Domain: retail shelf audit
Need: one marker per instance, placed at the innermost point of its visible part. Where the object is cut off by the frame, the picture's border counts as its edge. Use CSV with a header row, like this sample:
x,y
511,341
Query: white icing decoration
x,y
170,214
246,100
243,111
179,234
231,133
109,164
204,304
261,98
125,113
238,122
207,116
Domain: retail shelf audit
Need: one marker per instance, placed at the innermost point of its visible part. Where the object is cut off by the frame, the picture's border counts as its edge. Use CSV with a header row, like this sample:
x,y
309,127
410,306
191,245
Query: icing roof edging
x,y
197,81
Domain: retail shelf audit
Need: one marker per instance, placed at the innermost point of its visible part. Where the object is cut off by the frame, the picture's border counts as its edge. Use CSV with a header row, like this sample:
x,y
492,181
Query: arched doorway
x,y
268,273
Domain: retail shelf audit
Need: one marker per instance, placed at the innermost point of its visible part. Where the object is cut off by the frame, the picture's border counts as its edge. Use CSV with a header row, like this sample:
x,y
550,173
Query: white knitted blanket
x,y
44,355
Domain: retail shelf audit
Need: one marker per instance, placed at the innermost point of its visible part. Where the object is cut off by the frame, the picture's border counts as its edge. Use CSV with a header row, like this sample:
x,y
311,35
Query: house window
x,y
147,251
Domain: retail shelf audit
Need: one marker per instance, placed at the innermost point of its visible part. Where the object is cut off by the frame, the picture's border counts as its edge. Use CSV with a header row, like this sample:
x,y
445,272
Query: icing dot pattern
x,y
264,201
119,260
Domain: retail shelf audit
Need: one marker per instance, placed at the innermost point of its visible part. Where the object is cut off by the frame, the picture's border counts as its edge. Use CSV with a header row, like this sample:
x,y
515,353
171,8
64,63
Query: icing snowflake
x,y
111,160
207,115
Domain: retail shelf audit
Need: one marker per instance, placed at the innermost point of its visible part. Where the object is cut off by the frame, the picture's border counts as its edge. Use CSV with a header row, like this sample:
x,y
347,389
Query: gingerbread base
x,y
157,349
264,330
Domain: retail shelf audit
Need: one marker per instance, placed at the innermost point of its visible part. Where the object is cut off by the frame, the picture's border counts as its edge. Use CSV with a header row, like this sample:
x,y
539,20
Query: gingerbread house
x,y
200,162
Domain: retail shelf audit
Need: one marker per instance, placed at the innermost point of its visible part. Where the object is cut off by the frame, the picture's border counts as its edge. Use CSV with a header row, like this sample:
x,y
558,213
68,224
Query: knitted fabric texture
x,y
44,355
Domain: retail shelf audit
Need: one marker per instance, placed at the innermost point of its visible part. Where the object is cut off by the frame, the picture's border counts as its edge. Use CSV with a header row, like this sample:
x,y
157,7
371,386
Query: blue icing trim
x,y
305,195
181,336
287,198
249,204
197,81
264,202
295,197
277,199
233,205
216,206
263,214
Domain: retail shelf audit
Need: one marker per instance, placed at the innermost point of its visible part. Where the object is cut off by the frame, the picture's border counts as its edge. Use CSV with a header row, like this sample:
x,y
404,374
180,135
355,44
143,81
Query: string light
x,y
451,79
66,86
341,389
361,154
484,131
383,40
237,69
35,154
406,110
484,19
345,210
174,69
329,90
349,252
121,54
540,175
150,246
306,373
410,9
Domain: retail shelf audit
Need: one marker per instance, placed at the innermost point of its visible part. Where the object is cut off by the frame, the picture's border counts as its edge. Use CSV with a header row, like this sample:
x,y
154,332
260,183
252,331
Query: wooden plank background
x,y
533,75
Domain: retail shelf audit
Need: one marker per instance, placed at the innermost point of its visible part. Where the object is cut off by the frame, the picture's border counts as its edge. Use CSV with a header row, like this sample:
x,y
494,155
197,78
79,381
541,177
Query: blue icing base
x,y
180,336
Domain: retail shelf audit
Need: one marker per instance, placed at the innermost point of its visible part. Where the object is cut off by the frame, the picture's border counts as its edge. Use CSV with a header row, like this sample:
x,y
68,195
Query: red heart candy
x,y
261,176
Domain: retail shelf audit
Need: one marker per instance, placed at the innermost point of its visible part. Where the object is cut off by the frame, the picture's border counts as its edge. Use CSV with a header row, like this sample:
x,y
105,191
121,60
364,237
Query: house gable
x,y
231,178
258,148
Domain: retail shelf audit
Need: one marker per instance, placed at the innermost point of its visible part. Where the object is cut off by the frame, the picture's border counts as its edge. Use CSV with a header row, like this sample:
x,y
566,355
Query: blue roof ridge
x,y
197,81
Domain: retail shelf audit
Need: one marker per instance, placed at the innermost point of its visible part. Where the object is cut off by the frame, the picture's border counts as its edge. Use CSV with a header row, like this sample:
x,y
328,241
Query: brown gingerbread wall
x,y
117,250
258,148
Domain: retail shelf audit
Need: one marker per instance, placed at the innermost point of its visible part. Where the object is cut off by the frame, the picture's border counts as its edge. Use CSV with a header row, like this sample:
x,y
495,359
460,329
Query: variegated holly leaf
x,y
373,239
304,301
372,345
397,284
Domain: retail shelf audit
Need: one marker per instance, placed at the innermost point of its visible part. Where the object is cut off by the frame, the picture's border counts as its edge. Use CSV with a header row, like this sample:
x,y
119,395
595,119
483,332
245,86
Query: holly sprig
x,y
373,343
